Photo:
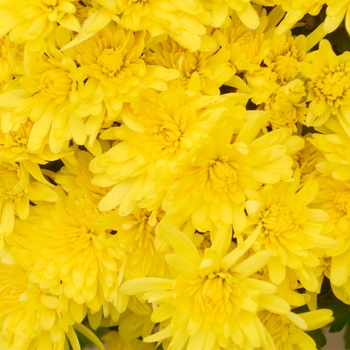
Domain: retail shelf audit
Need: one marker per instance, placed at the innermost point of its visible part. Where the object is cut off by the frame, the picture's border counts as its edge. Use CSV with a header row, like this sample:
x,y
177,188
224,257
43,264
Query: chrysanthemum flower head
x,y
287,106
329,85
285,54
289,228
70,256
30,22
17,189
159,132
11,61
198,71
248,47
47,100
30,317
335,152
287,331
211,187
212,300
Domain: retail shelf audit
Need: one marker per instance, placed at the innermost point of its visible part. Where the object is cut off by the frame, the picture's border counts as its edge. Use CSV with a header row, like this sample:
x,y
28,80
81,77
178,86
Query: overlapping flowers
x,y
175,172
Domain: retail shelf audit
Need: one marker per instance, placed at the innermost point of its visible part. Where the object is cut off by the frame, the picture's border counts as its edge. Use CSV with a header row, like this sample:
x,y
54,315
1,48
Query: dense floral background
x,y
174,174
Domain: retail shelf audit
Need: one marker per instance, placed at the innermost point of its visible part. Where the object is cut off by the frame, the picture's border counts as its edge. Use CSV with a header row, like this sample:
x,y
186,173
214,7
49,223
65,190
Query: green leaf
x,y
318,336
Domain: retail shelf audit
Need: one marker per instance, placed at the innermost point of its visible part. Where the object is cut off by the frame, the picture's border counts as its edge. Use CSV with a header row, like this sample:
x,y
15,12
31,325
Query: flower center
x,y
168,136
333,84
213,296
81,238
222,174
249,44
55,83
111,61
185,62
286,65
277,220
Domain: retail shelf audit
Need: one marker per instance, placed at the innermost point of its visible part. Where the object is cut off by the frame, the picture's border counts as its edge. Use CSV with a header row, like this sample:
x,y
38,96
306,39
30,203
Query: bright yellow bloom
x,y
182,21
211,188
75,178
287,106
198,71
137,233
289,229
46,100
329,87
159,132
335,149
248,47
30,317
27,21
11,59
212,301
288,332
70,256
285,54
17,189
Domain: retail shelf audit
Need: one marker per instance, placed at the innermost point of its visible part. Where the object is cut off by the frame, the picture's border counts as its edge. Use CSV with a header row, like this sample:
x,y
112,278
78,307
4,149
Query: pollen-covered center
x,y
111,61
276,220
55,83
342,201
333,85
222,174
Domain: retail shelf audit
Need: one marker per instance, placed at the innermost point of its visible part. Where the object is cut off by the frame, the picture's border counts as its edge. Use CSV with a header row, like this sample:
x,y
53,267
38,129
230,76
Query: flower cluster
x,y
176,172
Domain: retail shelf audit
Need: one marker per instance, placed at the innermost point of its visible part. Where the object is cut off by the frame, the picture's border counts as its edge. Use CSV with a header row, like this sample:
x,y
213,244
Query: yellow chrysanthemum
x,y
17,189
159,132
334,198
75,177
335,151
136,232
248,47
289,228
285,54
288,332
11,59
211,188
27,21
69,256
287,106
198,71
329,86
46,99
30,318
182,21
212,302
